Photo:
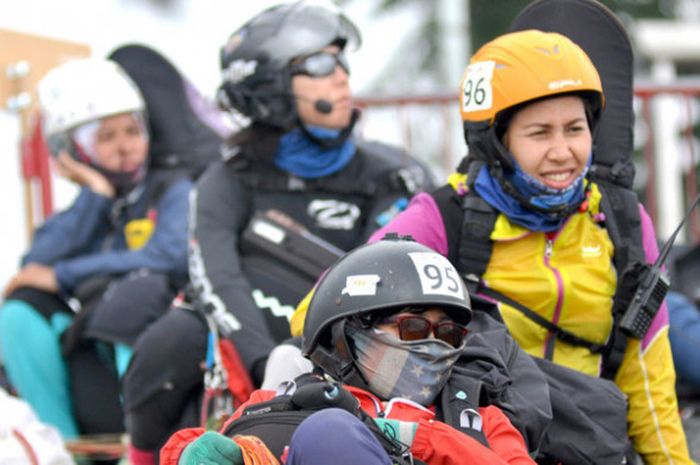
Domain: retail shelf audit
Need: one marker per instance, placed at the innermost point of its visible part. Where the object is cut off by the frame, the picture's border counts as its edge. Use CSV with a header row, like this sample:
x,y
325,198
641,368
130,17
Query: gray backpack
x,y
565,416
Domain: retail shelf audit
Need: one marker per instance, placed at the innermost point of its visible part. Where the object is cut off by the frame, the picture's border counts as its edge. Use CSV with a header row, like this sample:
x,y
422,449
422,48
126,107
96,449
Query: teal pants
x,y
32,356
31,350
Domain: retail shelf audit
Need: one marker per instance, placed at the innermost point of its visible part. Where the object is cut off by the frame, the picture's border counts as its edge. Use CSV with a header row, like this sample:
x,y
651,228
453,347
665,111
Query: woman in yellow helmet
x,y
526,222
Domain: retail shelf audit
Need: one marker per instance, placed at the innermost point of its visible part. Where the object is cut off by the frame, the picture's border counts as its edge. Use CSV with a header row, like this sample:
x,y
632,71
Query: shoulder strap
x,y
624,226
477,222
468,221
623,223
449,204
459,406
475,245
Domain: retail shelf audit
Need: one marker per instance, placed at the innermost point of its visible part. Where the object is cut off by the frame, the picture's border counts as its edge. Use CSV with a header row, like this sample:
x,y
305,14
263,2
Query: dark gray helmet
x,y
256,80
389,274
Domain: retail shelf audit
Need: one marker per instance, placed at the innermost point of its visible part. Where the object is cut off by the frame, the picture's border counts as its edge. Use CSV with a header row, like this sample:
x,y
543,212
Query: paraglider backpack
x,y
565,416
275,420
469,220
186,131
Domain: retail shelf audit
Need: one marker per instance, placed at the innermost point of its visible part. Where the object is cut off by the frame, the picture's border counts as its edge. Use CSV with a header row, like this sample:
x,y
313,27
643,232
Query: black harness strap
x,y
451,211
624,227
469,221
559,332
475,245
459,406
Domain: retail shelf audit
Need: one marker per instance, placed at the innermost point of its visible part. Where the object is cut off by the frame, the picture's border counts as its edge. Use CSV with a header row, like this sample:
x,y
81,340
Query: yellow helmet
x,y
522,66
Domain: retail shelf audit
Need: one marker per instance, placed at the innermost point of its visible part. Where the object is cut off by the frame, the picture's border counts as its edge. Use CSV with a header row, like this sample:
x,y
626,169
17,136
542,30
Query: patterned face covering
x,y
413,370
544,197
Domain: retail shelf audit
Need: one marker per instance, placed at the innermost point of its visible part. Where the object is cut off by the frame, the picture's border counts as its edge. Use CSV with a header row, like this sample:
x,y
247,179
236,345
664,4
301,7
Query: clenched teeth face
x,y
551,140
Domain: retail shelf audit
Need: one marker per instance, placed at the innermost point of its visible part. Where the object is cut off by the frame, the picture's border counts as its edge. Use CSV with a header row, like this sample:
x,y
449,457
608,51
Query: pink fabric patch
x,y
651,251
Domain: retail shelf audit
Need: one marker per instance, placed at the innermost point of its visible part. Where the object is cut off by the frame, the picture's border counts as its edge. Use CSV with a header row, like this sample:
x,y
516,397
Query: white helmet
x,y
84,90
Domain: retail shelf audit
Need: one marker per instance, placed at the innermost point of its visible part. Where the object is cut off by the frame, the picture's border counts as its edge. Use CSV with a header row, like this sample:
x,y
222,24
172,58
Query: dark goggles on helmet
x,y
413,327
320,64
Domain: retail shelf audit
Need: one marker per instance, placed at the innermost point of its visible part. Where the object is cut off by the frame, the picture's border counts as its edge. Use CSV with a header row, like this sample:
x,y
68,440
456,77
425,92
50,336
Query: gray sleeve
x,y
218,215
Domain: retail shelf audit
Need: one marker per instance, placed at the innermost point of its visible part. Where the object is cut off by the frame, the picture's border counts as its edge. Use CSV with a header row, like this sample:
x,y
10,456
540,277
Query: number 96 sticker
x,y
477,93
436,274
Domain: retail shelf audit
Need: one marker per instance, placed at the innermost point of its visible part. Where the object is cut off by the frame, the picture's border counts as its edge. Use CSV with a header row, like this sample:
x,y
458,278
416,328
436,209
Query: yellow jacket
x,y
569,279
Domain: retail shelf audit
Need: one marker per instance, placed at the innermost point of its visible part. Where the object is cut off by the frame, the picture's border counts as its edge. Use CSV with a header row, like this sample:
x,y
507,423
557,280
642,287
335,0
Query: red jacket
x,y
435,442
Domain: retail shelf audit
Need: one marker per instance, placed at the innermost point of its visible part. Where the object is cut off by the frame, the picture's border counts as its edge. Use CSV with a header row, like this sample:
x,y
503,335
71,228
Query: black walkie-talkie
x,y
651,290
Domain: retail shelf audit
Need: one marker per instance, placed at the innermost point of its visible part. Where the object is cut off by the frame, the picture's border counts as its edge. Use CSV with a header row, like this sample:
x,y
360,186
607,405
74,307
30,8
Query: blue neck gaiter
x,y
304,158
536,193
545,197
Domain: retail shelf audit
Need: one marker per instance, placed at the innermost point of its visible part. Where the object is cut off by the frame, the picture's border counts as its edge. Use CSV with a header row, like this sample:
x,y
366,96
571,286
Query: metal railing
x,y
429,127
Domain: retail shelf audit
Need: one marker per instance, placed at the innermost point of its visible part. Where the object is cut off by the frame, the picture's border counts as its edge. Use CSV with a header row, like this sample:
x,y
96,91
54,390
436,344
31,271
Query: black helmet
x,y
385,275
255,60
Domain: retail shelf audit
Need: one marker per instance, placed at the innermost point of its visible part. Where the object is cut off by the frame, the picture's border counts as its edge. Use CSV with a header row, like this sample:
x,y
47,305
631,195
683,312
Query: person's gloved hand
x,y
212,448
402,431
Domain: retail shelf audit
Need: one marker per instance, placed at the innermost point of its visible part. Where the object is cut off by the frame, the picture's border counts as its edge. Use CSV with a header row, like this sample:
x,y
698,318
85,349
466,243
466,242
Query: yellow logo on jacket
x,y
138,232
591,251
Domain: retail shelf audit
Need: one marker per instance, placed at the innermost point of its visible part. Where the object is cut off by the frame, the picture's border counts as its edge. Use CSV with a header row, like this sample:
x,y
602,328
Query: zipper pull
x,y
548,245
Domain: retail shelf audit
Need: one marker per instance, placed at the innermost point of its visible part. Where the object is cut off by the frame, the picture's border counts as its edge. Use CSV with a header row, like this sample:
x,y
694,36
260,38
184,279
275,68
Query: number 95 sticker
x,y
436,274
477,93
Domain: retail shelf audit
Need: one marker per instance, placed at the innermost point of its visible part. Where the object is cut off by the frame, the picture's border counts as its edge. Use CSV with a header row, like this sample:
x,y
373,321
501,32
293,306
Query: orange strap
x,y
255,452
239,382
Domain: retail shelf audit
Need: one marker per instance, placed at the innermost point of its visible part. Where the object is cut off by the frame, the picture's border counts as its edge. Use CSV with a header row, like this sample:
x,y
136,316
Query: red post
x,y
36,166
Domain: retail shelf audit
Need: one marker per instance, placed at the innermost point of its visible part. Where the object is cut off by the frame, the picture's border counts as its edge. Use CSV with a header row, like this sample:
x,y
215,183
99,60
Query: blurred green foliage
x,y
489,18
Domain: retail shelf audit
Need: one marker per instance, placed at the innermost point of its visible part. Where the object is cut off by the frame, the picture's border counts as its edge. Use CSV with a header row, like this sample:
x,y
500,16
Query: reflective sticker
x,y
333,214
269,231
477,93
238,70
591,251
361,284
436,274
557,85
272,303
470,418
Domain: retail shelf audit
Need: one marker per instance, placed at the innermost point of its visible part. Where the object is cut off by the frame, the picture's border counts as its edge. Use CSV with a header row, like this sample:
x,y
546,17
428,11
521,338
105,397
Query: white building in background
x,y
668,44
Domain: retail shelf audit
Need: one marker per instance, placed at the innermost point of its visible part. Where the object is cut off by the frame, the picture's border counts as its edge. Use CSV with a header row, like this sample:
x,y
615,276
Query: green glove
x,y
402,431
212,448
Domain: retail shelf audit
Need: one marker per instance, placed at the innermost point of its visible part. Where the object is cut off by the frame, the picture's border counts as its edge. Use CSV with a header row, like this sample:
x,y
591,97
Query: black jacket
x,y
251,293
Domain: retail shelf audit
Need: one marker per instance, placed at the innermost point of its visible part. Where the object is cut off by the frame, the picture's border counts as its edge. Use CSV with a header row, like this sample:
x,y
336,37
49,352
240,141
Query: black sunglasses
x,y
320,64
413,327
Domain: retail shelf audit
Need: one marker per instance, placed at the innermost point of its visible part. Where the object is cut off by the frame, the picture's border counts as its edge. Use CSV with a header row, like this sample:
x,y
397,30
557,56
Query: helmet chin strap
x,y
122,181
339,362
335,141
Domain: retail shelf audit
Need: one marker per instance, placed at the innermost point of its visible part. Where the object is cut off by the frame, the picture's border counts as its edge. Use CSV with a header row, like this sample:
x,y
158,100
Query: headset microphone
x,y
323,106
320,105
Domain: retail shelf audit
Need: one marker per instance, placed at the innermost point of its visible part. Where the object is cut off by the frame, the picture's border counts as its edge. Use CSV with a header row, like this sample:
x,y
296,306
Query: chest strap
x,y
559,332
